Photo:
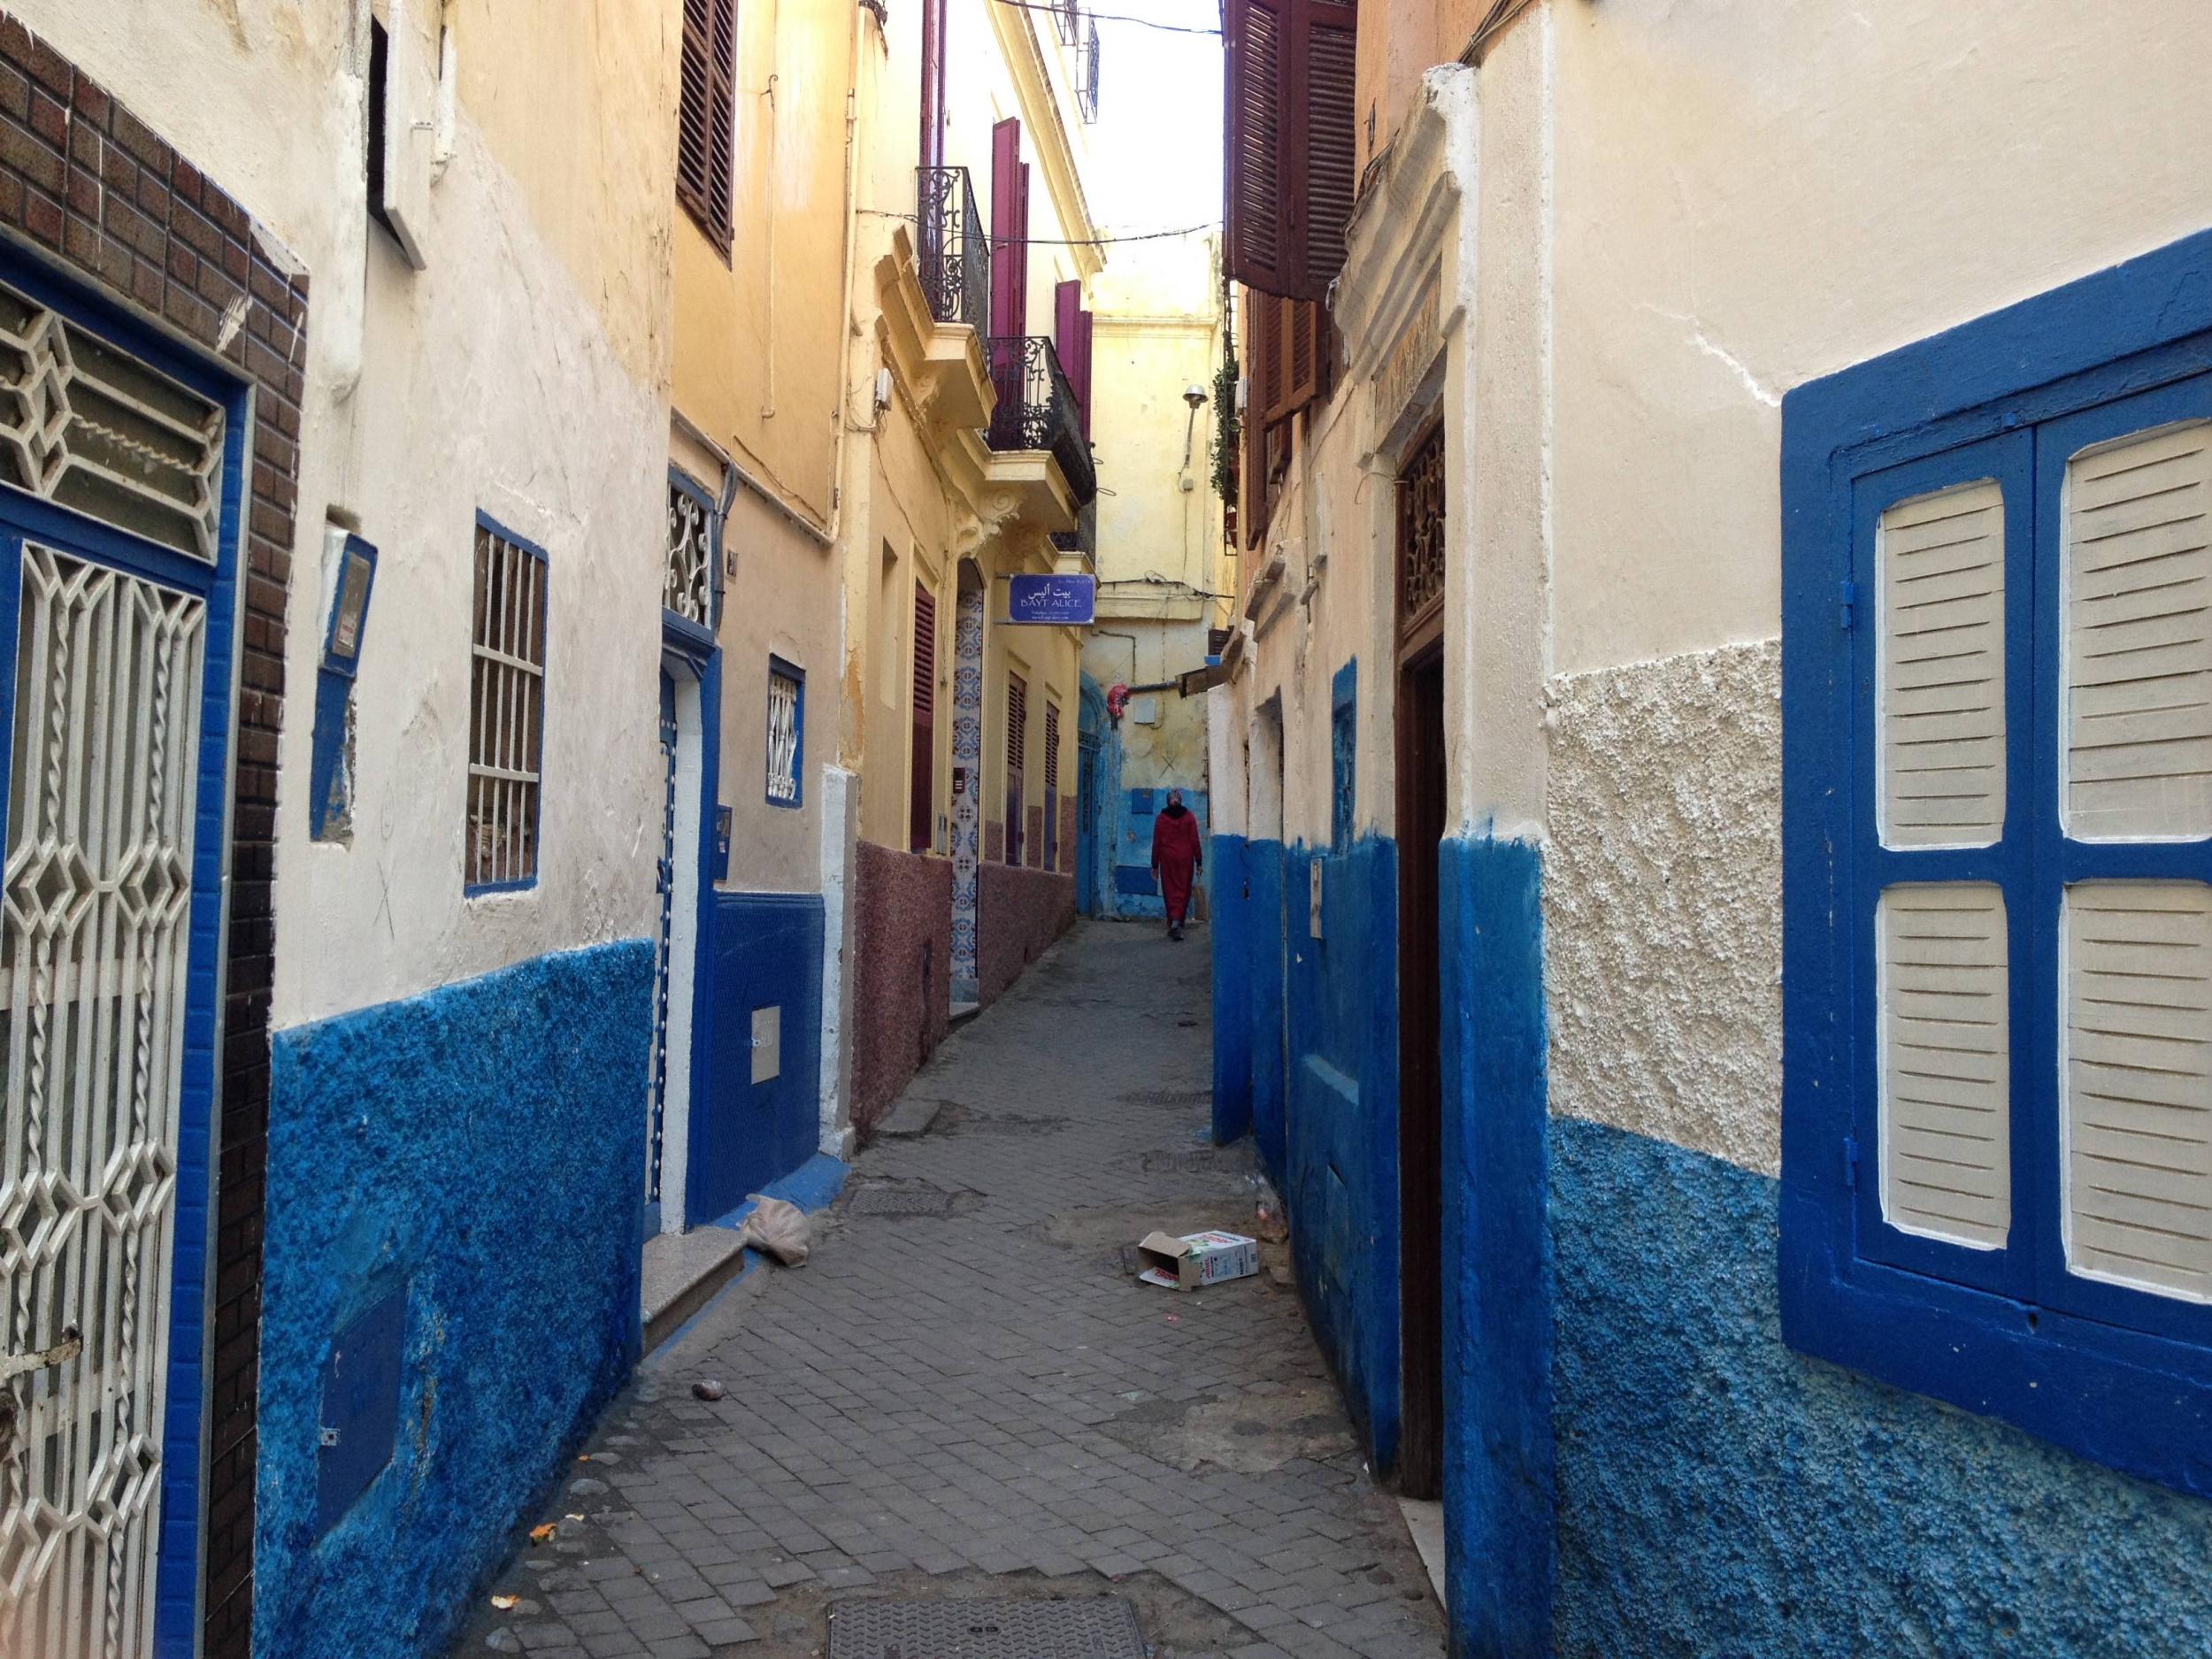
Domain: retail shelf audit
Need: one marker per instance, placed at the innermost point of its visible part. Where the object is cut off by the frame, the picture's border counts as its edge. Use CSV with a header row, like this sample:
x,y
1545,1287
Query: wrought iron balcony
x,y
954,255
1084,538
1037,409
1087,75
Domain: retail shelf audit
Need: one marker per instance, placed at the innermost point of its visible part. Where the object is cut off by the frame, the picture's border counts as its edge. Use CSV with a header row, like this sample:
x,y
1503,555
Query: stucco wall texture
x,y
1019,913
482,1148
1663,901
901,967
1720,1494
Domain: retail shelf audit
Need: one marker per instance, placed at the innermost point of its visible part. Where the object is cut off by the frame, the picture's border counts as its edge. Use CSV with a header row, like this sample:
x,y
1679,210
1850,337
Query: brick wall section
x,y
1018,913
902,968
88,185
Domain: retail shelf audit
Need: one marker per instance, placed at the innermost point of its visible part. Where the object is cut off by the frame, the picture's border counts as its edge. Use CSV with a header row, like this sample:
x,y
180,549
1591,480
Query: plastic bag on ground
x,y
777,1227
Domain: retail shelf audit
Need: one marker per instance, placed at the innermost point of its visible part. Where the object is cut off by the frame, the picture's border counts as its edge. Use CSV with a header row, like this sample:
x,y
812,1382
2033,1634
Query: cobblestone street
x,y
965,1393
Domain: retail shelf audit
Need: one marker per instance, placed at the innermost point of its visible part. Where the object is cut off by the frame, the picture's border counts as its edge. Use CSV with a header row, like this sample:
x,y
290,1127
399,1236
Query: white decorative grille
x,y
84,425
506,712
93,943
783,738
688,587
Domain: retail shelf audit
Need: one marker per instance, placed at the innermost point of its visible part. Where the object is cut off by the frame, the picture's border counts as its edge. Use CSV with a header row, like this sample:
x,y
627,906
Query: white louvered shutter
x,y
1944,1062
2137,623
1942,698
2135,1084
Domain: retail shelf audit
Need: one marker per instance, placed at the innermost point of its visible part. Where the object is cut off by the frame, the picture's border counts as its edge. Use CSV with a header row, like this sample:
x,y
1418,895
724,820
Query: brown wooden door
x,y
1420,1072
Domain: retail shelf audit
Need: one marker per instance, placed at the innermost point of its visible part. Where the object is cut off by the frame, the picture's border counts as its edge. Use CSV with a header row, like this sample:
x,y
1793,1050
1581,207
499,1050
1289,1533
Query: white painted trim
x,y
840,832
683,953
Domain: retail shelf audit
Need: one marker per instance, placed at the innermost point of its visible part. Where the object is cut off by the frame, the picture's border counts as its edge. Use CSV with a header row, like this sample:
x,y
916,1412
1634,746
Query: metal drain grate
x,y
1101,1627
1207,1161
1168,1096
902,1201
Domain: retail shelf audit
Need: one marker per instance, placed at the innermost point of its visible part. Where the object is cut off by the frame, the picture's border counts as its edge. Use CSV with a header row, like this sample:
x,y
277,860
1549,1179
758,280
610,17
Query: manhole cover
x,y
902,1201
1101,1627
1168,1096
1208,1160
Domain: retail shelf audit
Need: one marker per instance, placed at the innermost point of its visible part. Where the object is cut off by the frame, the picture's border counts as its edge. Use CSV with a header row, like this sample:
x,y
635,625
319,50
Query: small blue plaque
x,y
1059,601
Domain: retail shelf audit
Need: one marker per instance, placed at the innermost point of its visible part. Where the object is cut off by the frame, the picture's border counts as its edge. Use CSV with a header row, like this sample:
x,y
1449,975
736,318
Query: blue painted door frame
x,y
688,651
176,1584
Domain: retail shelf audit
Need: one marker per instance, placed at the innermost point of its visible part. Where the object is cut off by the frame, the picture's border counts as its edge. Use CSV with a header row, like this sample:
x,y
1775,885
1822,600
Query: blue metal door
x,y
1087,822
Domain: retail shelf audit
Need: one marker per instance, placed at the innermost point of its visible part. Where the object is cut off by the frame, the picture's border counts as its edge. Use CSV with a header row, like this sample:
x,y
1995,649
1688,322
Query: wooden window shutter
x,y
707,116
1008,211
922,787
1021,251
933,83
1300,371
1292,170
1071,340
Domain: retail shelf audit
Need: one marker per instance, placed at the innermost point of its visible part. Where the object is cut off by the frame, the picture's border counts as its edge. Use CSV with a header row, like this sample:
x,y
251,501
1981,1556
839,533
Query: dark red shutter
x,y
1007,182
1018,304
1082,372
1071,341
1017,740
1291,169
933,83
1253,172
921,832
707,116
1326,173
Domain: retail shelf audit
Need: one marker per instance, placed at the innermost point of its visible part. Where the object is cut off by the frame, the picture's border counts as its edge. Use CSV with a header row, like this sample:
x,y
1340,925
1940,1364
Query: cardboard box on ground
x,y
1196,1260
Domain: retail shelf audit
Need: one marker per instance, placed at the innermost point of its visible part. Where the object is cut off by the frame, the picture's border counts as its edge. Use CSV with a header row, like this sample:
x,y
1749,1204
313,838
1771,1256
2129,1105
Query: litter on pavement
x,y
1196,1260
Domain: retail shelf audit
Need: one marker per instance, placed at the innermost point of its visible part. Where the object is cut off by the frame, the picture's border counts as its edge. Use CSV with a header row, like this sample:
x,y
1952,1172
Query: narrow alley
x,y
964,1392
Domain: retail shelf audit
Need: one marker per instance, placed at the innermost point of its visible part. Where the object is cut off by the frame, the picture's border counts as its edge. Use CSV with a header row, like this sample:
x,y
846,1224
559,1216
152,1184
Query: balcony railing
x,y
1067,19
1084,538
1037,409
954,255
1086,74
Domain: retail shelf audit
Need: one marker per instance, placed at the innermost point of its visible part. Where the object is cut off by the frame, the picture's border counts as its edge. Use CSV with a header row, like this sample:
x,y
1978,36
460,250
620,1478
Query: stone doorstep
x,y
962,1012
1424,1519
682,1271
911,1117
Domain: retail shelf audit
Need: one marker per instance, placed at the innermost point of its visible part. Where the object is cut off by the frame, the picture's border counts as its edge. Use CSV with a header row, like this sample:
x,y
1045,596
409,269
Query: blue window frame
x,y
786,733
1993,1295
178,1512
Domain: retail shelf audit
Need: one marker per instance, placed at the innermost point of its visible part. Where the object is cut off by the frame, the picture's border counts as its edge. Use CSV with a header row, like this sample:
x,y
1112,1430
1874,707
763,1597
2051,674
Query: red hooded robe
x,y
1175,855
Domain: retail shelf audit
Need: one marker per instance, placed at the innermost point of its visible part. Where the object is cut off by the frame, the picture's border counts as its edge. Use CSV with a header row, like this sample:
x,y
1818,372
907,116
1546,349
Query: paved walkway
x,y
982,1401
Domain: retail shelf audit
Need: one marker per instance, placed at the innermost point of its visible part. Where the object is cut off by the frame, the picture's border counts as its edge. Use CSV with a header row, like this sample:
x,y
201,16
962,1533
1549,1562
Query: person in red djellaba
x,y
1177,855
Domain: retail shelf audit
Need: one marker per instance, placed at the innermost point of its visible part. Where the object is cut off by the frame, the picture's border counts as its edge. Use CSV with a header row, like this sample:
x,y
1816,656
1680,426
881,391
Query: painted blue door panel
x,y
1227,857
763,950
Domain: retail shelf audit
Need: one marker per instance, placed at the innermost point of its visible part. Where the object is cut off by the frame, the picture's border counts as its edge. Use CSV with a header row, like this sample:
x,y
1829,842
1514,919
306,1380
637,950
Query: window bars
x,y
1066,20
506,711
954,255
786,690
1421,532
1087,75
85,427
688,585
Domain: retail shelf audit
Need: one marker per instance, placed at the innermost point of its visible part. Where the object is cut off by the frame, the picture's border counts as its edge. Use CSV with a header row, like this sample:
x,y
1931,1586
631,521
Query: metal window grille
x,y
786,687
1421,532
93,945
1066,20
688,585
1087,75
86,426
506,711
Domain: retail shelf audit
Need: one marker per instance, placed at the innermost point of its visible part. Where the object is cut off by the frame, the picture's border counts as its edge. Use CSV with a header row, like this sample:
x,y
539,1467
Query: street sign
x,y
1058,601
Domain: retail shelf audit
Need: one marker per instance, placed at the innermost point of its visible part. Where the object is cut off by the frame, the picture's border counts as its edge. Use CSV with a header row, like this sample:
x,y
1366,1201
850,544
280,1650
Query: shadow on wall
x,y
902,958
1018,913
472,1160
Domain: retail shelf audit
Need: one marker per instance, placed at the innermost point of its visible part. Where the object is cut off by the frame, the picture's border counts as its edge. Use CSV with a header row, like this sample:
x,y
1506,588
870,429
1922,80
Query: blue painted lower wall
x,y
1305,1056
1496,1279
1719,1494
763,951
481,1149
1340,1136
1226,856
